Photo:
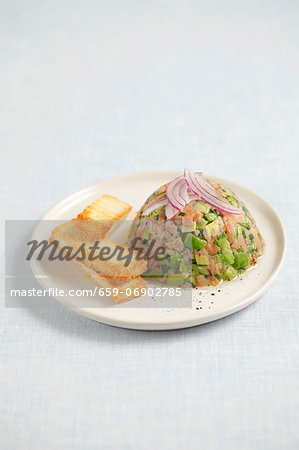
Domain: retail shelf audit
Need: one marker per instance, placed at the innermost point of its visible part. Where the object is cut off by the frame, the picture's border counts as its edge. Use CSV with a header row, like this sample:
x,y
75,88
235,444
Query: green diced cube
x,y
241,260
197,243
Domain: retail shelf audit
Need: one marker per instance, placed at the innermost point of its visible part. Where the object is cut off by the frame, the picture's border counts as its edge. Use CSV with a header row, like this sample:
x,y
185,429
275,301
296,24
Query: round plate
x,y
156,313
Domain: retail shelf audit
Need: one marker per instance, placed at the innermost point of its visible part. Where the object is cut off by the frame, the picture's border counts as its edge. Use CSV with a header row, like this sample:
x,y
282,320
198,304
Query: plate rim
x,y
178,323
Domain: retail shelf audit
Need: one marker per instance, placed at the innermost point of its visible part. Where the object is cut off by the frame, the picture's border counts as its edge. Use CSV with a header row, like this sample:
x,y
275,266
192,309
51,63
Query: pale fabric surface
x,y
95,89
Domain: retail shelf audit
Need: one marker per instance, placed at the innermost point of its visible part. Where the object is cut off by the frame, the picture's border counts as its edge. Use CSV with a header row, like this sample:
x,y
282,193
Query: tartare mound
x,y
203,245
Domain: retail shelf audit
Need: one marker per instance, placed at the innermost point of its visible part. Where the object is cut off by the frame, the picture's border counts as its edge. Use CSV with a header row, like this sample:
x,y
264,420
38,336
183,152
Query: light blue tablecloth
x,y
95,89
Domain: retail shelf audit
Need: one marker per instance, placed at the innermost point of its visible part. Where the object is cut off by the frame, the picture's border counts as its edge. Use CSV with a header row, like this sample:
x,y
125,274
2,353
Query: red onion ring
x,y
206,192
156,204
177,193
170,211
182,190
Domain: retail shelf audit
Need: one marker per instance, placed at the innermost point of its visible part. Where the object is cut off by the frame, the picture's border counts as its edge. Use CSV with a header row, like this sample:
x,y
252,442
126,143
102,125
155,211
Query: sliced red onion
x,y
170,211
182,190
177,193
206,192
193,196
217,202
156,204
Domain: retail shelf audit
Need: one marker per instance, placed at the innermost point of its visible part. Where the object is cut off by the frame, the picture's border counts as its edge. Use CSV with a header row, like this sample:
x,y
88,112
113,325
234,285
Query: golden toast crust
x,y
105,208
100,216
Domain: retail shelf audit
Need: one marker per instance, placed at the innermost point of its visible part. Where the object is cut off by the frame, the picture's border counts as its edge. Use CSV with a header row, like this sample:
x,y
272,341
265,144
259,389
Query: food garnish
x,y
185,188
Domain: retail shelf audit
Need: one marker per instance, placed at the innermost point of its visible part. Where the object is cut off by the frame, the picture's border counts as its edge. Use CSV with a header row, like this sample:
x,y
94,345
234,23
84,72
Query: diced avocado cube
x,y
229,273
212,229
188,241
240,271
174,262
201,223
198,244
207,231
197,258
241,260
223,243
204,207
226,257
210,217
146,234
194,242
187,228
202,260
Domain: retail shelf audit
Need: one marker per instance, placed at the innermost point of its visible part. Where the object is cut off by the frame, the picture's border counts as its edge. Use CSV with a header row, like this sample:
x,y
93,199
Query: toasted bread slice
x,y
93,224
105,208
68,234
102,214
125,288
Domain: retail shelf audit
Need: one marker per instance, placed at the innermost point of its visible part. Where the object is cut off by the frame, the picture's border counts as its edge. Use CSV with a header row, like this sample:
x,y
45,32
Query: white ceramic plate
x,y
147,313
